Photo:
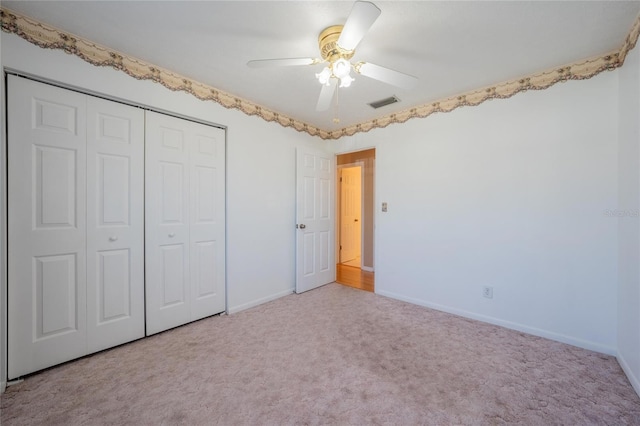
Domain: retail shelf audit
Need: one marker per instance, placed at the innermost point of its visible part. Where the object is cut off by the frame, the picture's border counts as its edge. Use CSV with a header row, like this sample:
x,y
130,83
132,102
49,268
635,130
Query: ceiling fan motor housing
x,y
328,43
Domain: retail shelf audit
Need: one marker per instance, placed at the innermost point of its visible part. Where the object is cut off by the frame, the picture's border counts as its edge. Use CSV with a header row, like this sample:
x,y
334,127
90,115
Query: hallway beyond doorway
x,y
355,219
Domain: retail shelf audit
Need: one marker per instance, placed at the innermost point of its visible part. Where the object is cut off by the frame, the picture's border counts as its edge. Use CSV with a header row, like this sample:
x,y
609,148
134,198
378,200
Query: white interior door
x,y
315,256
115,224
47,225
185,238
350,214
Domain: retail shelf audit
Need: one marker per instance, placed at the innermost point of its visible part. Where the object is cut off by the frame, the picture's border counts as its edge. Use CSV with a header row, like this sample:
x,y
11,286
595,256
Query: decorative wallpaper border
x,y
630,41
48,37
541,81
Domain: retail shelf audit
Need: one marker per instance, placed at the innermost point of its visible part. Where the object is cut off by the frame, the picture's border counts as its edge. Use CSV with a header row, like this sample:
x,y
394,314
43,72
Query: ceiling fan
x,y
337,46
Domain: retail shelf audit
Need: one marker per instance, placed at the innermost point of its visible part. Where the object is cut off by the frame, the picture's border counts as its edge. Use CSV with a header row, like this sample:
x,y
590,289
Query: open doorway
x,y
354,224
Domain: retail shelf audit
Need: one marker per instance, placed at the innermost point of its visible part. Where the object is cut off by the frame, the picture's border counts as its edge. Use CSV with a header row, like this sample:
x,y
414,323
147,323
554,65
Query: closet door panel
x,y
115,223
207,221
185,238
167,223
47,227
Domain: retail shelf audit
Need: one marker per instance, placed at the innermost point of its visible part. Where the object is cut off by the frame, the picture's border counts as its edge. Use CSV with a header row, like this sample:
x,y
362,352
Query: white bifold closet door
x,y
185,221
115,223
75,216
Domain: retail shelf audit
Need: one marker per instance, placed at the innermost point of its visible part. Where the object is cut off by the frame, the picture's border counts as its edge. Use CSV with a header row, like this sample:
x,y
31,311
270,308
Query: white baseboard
x,y
367,268
235,309
585,344
635,382
3,386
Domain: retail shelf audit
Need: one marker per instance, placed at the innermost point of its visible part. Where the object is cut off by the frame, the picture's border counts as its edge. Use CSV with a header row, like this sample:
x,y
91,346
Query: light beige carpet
x,y
334,355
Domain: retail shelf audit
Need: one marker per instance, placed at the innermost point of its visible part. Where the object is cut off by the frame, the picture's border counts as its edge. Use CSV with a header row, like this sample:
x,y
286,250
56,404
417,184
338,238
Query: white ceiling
x,y
452,47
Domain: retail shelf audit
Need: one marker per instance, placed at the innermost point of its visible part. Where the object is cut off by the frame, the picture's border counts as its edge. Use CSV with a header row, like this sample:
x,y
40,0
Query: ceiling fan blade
x,y
386,75
326,95
263,63
362,16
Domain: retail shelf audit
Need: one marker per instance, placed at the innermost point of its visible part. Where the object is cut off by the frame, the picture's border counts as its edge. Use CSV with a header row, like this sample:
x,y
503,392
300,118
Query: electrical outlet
x,y
487,292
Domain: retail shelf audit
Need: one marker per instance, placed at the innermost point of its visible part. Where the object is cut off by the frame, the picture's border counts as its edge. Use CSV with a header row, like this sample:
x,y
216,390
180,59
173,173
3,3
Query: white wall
x,y
260,169
510,194
628,221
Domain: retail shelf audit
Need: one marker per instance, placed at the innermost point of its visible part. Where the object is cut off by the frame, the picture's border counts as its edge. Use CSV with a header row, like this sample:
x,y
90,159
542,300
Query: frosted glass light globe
x,y
341,68
324,76
346,81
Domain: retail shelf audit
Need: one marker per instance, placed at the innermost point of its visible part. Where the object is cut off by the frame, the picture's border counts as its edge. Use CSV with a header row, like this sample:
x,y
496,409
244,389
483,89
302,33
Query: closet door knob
x,y
171,235
113,238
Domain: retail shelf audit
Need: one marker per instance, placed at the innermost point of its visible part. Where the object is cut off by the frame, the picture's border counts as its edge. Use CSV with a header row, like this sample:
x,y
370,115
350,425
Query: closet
x,y
82,207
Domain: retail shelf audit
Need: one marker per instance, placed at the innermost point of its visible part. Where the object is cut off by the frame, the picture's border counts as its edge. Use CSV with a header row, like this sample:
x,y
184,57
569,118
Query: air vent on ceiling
x,y
384,102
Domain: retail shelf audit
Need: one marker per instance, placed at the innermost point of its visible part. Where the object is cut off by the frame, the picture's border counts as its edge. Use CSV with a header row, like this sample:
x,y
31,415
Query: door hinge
x,y
340,179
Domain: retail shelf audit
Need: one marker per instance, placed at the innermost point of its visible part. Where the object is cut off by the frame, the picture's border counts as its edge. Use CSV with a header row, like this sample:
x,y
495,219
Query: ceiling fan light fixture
x,y
340,69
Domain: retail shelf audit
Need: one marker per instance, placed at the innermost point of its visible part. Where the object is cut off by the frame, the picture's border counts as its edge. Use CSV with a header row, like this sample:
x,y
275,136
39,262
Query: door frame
x,y
3,232
361,164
